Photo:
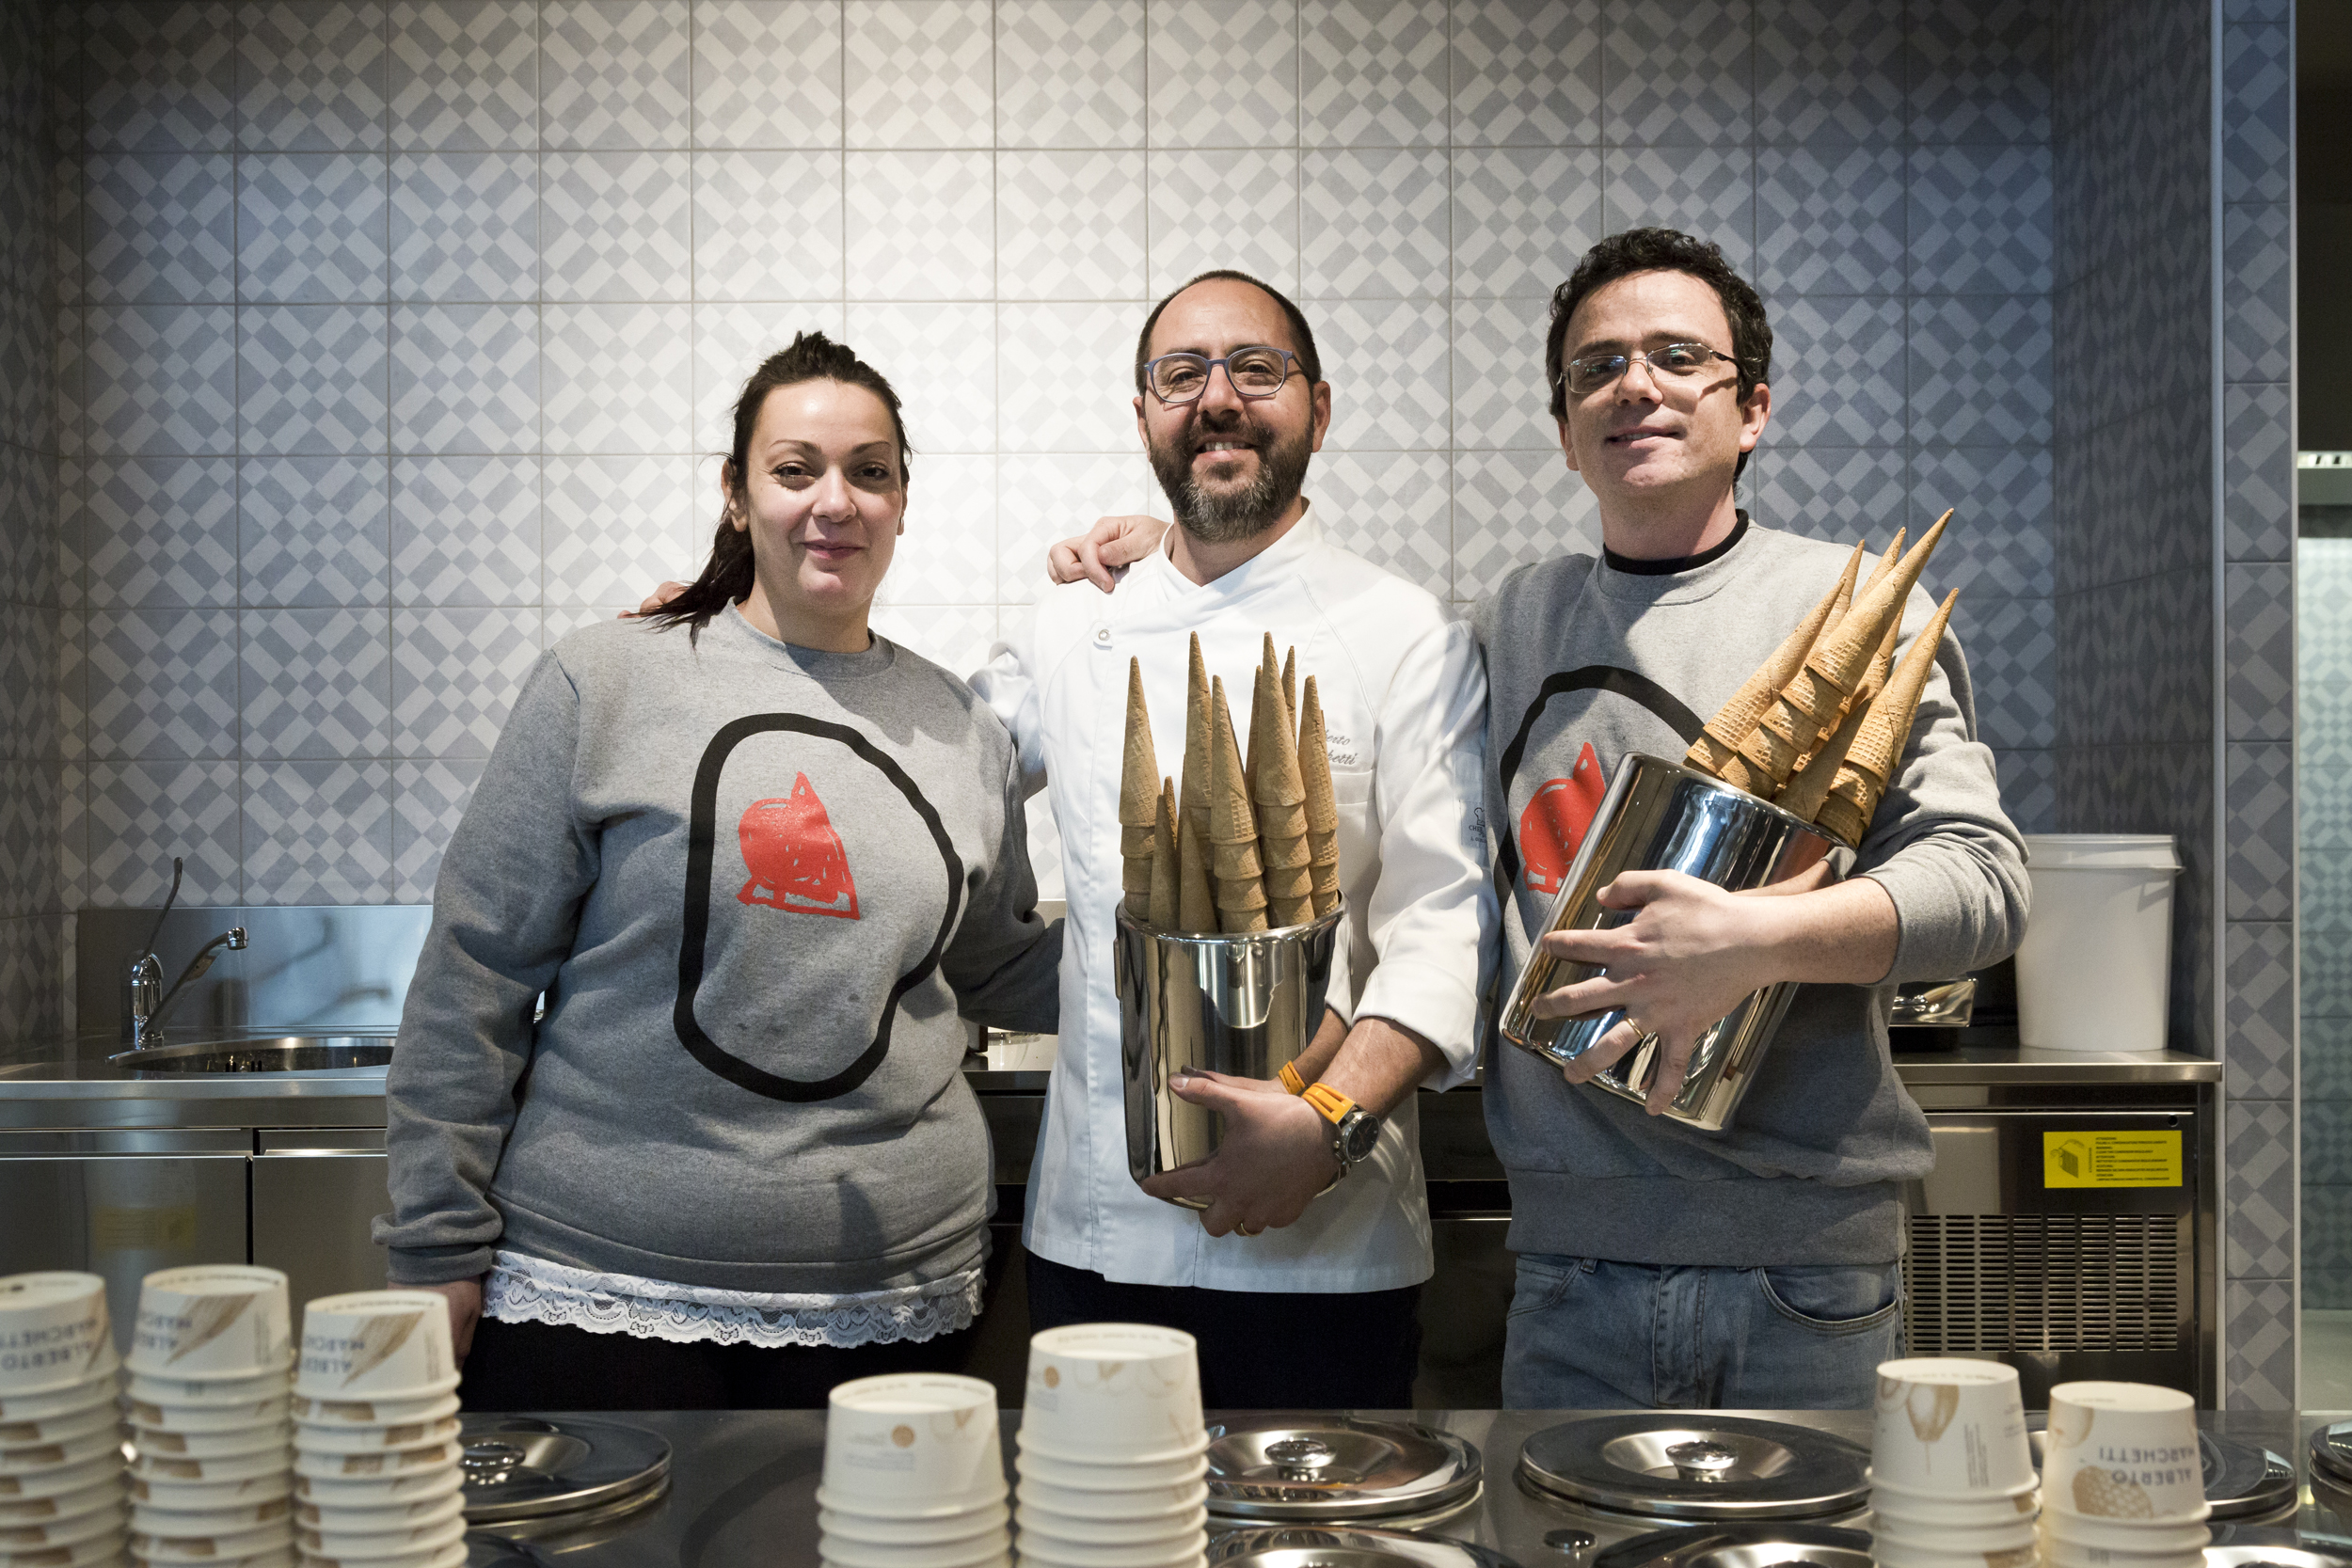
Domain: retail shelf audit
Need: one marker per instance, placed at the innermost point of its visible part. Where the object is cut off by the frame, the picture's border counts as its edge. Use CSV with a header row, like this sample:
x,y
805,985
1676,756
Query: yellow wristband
x,y
1331,1104
1291,1080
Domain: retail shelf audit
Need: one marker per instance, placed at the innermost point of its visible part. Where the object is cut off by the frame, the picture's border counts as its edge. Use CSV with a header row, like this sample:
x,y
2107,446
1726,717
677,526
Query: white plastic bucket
x,y
2094,971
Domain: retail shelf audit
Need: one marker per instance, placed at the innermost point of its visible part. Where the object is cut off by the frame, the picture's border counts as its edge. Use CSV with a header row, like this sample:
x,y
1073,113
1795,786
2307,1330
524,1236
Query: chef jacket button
x,y
1101,637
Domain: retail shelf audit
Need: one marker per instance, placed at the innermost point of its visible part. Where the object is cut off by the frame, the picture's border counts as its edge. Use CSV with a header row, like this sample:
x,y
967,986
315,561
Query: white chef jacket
x,y
1403,700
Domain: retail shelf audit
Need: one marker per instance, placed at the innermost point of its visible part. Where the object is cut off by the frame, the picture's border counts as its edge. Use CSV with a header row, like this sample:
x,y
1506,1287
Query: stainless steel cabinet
x,y
315,1193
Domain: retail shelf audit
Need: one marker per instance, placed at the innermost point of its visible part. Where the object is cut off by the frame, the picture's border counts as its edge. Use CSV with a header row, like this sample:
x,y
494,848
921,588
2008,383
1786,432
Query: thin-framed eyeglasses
x,y
1673,362
1255,370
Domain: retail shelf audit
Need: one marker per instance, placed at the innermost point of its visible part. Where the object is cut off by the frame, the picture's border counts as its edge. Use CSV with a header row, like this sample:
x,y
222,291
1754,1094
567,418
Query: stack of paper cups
x,y
2122,1478
1951,1468
210,1364
914,1474
377,1483
1113,1457
61,1497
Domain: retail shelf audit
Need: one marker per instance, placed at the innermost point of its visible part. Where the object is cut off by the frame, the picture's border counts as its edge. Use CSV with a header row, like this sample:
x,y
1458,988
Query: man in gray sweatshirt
x,y
1661,1265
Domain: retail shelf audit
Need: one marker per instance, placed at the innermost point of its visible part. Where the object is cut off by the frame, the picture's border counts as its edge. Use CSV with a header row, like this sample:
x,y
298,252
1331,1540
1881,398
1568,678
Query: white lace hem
x,y
525,1290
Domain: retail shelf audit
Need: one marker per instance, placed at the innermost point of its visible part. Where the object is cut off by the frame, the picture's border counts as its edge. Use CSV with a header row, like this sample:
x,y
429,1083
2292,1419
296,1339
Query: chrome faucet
x,y
142,1013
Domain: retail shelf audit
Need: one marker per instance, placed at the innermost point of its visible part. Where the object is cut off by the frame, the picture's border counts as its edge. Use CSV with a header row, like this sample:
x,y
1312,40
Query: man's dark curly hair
x,y
1662,250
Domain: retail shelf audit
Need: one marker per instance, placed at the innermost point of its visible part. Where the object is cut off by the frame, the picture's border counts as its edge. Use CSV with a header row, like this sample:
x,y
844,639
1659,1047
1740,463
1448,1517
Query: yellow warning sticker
x,y
2137,1159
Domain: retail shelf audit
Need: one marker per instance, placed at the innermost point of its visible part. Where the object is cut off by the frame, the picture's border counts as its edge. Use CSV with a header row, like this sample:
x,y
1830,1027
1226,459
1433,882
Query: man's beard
x,y
1226,516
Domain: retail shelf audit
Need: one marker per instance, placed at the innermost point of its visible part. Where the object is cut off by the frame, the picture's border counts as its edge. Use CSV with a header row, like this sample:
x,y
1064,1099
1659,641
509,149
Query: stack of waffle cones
x,y
1820,728
1251,842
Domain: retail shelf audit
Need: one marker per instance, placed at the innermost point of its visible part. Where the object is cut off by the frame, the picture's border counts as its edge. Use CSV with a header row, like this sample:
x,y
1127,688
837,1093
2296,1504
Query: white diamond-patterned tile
x,y
162,683
140,814
2260,1370
1837,494
558,622
921,224
1514,507
1388,363
741,98
1044,498
1374,223
730,342
159,226
615,73
1845,353
1372,72
464,74
311,378
2260,1019
1705,191
1069,73
465,378
1065,377
1678,74
1830,220
1069,225
162,532
1830,71
615,528
429,797
1522,217
955,637
1223,73
948,552
314,530
456,674
615,226
1498,399
617,378
1526,73
464,226
316,683
465,530
768,224
2259,1189
1980,220
161,378
161,76
919,73
942,361
318,833
1223,209
311,75
1396,509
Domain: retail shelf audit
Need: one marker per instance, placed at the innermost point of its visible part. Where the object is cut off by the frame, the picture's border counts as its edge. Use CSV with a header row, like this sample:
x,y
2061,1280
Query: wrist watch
x,y
1354,1129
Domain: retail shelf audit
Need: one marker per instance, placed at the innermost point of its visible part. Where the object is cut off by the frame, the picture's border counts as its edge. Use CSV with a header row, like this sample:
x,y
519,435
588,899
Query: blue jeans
x,y
1586,1334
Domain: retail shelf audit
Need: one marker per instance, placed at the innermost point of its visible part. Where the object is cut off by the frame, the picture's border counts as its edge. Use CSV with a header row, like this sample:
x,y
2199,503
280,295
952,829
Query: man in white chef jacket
x,y
1297,1300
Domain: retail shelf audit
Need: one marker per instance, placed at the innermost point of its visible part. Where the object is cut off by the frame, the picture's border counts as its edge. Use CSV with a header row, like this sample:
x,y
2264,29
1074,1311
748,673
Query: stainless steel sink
x,y
276,1054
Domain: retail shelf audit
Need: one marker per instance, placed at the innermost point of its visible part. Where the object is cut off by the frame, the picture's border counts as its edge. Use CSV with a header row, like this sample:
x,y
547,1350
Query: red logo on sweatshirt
x,y
796,858
1554,824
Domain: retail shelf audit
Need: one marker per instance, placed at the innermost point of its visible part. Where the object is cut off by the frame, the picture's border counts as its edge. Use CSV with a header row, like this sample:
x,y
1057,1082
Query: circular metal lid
x,y
2267,1555
1699,1467
527,1468
1339,1547
2242,1481
2332,1453
1303,1468
1750,1545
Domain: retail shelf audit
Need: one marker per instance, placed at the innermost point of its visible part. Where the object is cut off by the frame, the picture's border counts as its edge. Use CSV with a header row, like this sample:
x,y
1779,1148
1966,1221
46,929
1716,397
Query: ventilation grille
x,y
2043,1282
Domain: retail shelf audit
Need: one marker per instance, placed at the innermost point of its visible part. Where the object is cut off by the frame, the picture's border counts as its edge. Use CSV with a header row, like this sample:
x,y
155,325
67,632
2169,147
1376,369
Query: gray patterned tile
x,y
32,980
310,75
730,341
143,813
1830,220
1067,377
429,796
1044,497
952,256
72,686
465,530
2258,650
311,378
160,76
1396,509
160,533
2258,473
1070,73
2327,1143
318,833
944,356
464,226
1829,72
25,416
32,661
1069,225
454,676
615,73
160,225
28,837
2258,129
161,378
1374,224
616,226
1981,369
615,526
1845,379
1678,73
1387,362
163,683
616,378
1526,73
2000,538
948,554
1708,191
1980,220
2258,1222
464,74
741,98
1979,71
1521,218
311,227
1222,74
919,73
1514,507
316,683
73,846
290,557
2258,308
2327,1064
2260,1373
2012,646
1372,72
1498,390
465,378
799,259
2029,783
2259,832
1839,493
1222,209
70,375
2260,1046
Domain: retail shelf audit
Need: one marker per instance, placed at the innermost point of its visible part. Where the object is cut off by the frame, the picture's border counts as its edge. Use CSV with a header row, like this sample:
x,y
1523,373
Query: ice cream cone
x,y
1138,799
1281,805
1163,871
1718,745
1322,811
1233,867
1195,903
1194,775
1290,691
1809,787
1885,564
1885,730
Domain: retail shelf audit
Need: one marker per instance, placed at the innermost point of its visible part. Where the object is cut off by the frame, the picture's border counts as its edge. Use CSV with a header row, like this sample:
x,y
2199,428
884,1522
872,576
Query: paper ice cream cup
x,y
215,1321
915,1442
1952,1428
2125,1451
1099,1393
320,1412
388,1344
54,1331
385,1439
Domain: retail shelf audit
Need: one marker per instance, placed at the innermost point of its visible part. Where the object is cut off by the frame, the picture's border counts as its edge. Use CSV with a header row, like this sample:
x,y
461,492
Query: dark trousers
x,y
550,1367
1260,1350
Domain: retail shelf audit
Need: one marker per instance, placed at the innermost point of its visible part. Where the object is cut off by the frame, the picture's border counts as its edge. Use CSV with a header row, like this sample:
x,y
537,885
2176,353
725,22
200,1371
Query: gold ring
x,y
1245,1230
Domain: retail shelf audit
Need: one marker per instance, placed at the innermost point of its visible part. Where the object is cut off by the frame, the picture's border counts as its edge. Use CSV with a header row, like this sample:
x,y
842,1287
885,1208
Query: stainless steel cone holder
x,y
1247,1005
1660,815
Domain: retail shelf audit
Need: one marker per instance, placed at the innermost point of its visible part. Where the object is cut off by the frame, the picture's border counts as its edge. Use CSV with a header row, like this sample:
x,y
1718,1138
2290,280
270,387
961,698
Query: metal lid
x,y
1339,1547
1759,1545
1699,1467
528,1468
1331,1468
2332,1453
2242,1481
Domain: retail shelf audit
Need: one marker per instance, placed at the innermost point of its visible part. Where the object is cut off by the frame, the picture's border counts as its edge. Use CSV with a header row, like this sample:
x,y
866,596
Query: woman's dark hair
x,y
728,577
1662,250
1309,361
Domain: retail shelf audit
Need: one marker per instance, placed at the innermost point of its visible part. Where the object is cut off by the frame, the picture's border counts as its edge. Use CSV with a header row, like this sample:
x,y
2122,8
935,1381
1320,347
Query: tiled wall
x,y
395,329
2322,587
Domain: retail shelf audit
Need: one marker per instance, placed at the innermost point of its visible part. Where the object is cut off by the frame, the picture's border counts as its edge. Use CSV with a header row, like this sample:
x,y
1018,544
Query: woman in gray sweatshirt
x,y
755,860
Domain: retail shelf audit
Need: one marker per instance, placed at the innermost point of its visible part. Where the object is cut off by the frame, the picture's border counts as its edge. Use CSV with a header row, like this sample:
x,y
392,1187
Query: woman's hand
x,y
465,1310
655,600
1108,547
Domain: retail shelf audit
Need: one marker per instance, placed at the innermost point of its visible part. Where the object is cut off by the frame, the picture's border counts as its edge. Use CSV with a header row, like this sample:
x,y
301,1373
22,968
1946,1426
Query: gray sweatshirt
x,y
1584,663
755,881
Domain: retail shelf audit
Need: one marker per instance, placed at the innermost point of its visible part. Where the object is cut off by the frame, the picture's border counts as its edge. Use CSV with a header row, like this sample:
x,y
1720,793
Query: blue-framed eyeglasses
x,y
1256,371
